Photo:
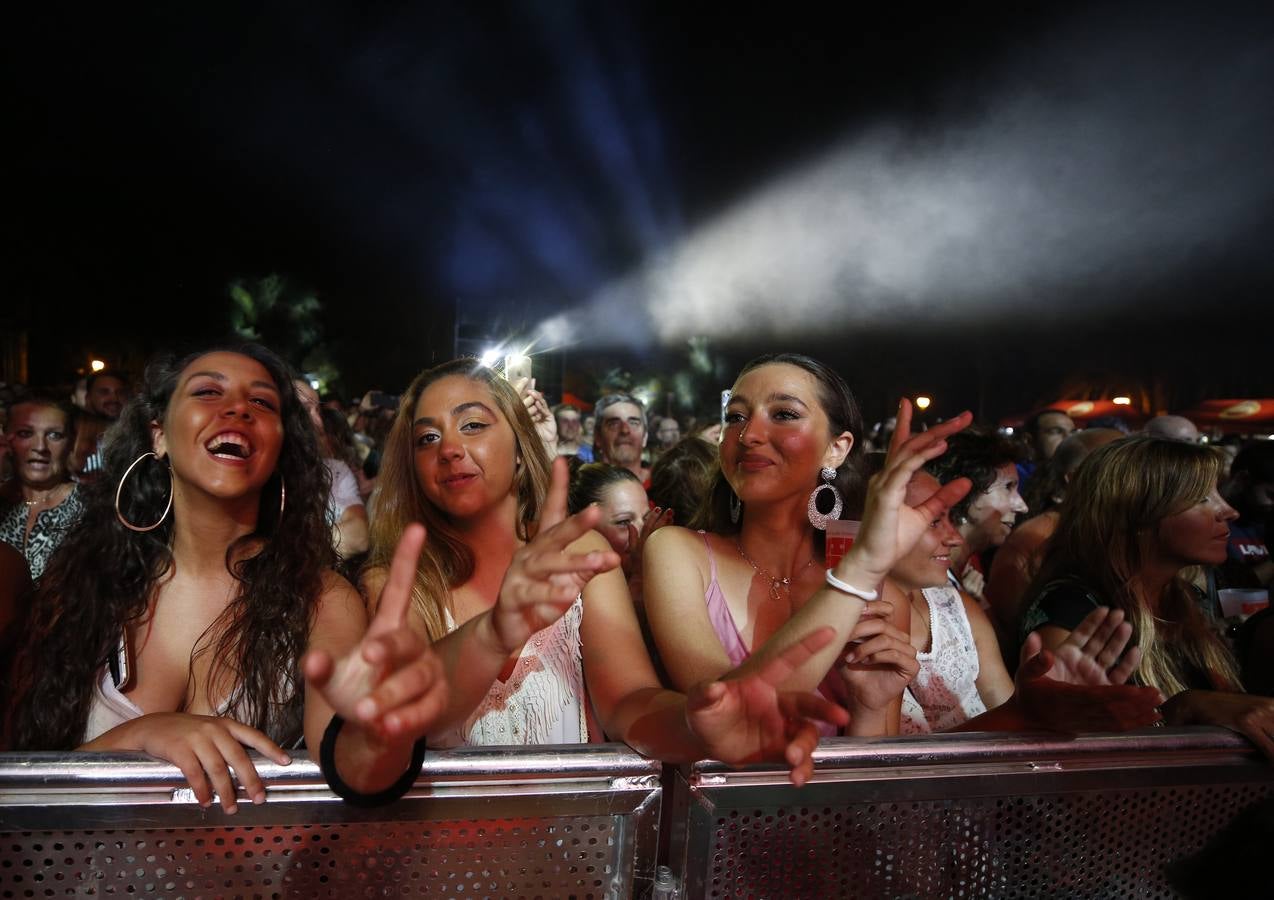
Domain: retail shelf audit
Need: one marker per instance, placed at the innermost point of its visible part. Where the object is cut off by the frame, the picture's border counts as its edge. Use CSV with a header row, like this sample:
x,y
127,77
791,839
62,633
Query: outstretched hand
x,y
890,528
544,577
391,683
748,719
1081,686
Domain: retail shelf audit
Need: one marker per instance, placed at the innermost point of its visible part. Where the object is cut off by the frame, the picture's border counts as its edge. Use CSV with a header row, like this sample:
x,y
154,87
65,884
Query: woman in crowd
x,y
174,618
680,479
1017,561
986,515
1138,512
41,503
962,682
718,598
465,458
627,518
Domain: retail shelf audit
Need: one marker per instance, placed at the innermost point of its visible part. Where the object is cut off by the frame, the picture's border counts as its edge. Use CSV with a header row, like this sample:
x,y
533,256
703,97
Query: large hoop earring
x,y
736,508
817,519
283,496
120,490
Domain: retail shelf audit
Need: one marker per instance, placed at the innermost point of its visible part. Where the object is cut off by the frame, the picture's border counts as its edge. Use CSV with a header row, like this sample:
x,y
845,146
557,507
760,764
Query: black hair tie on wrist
x,y
327,764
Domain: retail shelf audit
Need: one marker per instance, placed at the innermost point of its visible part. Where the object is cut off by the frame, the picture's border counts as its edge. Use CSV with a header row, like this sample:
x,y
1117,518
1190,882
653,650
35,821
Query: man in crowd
x,y
106,393
1046,431
1173,428
620,433
569,426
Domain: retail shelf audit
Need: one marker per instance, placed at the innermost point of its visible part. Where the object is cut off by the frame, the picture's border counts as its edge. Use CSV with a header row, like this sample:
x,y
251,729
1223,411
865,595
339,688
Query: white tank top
x,y
944,693
542,702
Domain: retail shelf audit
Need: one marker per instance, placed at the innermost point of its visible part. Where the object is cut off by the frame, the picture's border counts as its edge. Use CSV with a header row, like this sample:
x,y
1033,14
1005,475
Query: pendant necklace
x,y
776,584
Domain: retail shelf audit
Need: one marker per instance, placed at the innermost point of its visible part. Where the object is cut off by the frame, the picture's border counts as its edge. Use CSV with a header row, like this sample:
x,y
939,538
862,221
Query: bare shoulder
x,y
675,541
337,592
588,542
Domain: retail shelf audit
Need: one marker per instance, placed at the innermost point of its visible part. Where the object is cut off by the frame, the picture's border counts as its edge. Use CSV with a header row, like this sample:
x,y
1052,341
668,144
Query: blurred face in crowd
x,y
992,513
1051,429
1198,534
587,428
777,436
623,503
464,448
668,432
107,396
40,443
927,563
568,425
223,429
621,434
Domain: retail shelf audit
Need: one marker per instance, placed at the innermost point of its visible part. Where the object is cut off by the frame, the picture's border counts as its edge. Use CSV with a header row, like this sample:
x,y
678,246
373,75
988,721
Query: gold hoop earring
x,y
120,490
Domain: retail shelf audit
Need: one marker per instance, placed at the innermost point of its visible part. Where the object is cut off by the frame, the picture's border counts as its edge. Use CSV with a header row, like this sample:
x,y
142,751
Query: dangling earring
x,y
736,507
120,490
817,519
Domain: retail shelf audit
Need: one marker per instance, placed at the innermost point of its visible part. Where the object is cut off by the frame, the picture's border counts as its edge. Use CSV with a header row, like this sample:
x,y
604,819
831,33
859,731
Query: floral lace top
x,y
944,692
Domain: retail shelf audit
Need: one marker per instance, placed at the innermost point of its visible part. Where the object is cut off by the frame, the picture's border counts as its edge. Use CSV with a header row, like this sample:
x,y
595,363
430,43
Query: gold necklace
x,y
31,504
775,583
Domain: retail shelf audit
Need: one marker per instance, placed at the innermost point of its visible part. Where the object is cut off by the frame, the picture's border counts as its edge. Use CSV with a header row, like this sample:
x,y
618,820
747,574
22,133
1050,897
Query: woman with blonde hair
x,y
1139,511
527,605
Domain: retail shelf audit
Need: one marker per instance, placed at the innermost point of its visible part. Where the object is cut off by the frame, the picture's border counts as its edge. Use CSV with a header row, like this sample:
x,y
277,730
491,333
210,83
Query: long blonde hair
x,y
447,561
1104,538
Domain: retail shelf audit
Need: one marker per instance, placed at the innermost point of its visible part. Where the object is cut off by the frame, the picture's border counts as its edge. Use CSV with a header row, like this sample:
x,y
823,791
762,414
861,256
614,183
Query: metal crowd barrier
x,y
972,815
975,815
561,821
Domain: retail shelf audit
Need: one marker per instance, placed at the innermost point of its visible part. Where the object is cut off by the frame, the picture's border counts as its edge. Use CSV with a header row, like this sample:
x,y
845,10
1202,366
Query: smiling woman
x,y
174,619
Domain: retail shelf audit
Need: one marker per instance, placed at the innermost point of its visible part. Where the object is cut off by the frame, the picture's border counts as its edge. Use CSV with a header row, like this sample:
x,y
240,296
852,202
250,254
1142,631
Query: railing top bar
x,y
542,763
992,747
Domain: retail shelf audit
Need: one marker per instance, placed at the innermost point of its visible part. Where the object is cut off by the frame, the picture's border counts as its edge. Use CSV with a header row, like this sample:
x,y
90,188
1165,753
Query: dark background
x,y
423,167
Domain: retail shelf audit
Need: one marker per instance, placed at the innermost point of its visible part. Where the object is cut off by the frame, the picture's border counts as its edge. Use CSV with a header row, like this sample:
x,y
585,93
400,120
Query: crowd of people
x,y
218,559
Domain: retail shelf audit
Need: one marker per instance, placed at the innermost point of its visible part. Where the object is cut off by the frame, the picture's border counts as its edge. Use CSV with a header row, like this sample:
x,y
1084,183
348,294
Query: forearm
x,y
366,763
1007,716
472,658
653,722
827,607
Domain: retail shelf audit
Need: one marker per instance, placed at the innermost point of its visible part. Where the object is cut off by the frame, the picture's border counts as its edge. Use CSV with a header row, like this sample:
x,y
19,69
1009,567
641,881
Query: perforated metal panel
x,y
511,858
1109,844
965,816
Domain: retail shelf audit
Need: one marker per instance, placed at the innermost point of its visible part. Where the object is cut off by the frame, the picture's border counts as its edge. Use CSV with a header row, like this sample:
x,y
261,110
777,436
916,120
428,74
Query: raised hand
x,y
746,718
1094,653
1081,686
210,751
391,682
652,521
544,578
890,528
541,415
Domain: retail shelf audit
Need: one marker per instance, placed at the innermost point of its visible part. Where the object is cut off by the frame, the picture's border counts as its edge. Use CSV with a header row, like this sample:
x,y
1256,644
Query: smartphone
x,y
725,401
516,366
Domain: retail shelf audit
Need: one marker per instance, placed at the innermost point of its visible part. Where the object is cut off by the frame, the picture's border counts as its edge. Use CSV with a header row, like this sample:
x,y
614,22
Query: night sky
x,y
978,203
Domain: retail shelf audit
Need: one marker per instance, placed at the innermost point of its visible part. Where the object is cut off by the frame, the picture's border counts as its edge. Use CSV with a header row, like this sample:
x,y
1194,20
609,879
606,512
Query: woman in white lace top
x,y
533,605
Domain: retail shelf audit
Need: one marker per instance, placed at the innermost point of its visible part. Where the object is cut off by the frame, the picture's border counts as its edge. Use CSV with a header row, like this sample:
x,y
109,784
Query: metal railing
x,y
972,815
968,815
555,821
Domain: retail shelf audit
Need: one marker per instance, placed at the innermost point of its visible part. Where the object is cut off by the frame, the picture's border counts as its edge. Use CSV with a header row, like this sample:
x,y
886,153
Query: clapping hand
x,y
748,718
391,682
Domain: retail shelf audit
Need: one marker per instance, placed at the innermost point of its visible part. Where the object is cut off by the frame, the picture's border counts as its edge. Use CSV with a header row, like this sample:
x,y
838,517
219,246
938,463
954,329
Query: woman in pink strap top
x,y
788,464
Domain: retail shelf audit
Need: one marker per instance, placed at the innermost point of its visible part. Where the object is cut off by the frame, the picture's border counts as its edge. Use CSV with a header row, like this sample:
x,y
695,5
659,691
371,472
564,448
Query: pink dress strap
x,y
719,613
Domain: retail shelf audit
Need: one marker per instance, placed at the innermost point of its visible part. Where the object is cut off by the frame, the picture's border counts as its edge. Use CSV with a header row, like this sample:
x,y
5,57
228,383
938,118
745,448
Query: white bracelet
x,y
846,588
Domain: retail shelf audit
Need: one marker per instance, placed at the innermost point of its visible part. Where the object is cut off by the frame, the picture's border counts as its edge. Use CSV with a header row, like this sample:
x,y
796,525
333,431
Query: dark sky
x,y
985,199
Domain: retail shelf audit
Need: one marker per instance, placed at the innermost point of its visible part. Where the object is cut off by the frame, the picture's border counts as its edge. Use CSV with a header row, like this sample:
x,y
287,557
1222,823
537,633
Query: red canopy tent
x,y
1234,416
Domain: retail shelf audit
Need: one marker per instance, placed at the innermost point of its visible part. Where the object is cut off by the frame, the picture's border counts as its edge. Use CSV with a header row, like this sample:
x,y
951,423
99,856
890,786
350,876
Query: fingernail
x,y
232,809
366,708
285,760
258,799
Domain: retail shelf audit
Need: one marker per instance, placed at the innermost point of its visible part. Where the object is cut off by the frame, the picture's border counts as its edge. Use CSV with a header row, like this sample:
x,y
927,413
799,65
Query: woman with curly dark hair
x,y
173,619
